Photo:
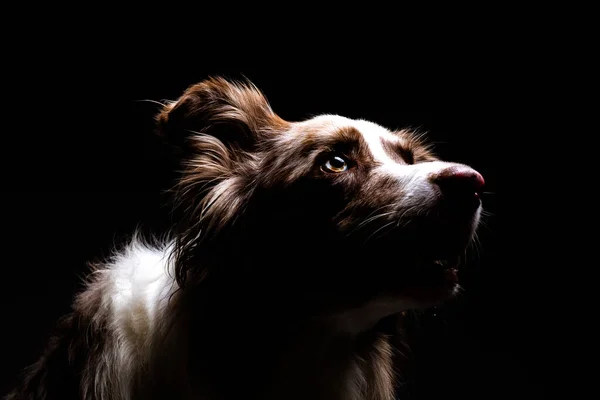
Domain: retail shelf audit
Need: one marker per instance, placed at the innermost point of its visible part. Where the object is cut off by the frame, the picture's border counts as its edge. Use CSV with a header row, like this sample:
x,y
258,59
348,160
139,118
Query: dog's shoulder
x,y
96,348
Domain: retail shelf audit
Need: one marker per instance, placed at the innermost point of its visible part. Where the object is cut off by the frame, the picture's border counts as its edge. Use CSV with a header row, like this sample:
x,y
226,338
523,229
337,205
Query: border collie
x,y
295,242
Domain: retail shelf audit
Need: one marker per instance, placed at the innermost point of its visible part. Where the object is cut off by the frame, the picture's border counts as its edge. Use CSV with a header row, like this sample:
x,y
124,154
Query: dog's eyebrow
x,y
398,150
349,135
354,140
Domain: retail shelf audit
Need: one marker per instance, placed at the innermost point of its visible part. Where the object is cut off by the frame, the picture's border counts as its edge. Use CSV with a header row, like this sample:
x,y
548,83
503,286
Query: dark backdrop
x,y
84,171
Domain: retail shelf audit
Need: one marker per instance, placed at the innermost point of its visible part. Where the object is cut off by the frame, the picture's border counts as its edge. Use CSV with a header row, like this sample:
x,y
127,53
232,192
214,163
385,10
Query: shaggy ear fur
x,y
235,113
218,125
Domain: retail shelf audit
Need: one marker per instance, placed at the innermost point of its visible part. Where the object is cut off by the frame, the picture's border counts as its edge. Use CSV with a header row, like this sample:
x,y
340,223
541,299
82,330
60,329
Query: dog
x,y
295,244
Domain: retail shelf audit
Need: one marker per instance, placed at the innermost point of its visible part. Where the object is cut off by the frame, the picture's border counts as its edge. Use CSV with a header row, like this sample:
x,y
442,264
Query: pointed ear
x,y
237,114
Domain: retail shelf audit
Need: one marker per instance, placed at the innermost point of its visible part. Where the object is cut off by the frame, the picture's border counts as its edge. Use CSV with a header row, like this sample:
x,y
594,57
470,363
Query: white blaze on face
x,y
414,180
374,135
416,190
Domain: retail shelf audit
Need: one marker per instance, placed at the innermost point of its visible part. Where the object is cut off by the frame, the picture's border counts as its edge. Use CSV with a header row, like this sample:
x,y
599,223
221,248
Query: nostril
x,y
459,180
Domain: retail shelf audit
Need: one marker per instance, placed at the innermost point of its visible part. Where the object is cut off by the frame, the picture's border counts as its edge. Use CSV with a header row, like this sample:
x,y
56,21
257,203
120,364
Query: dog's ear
x,y
217,125
235,113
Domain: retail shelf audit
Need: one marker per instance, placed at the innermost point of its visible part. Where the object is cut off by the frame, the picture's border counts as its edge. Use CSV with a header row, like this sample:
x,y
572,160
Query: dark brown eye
x,y
335,164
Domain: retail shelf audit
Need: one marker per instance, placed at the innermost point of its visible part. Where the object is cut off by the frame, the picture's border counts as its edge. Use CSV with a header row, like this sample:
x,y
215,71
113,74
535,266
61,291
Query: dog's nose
x,y
459,183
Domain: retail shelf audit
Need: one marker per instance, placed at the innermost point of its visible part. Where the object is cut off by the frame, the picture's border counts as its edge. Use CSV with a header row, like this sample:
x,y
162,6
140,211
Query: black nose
x,y
460,184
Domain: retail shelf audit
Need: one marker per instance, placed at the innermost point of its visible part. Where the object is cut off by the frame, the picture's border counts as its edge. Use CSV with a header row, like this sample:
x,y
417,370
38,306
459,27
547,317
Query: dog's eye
x,y
335,164
407,155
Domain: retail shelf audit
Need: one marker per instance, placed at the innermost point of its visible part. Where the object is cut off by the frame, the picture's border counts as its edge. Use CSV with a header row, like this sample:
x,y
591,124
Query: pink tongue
x,y
450,274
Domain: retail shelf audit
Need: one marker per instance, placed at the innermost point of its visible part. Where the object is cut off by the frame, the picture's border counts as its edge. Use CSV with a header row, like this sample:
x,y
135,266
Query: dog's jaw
x,y
439,282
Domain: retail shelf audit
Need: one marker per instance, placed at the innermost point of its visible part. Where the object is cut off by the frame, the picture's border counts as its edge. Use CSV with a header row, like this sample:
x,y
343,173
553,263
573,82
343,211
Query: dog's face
x,y
346,210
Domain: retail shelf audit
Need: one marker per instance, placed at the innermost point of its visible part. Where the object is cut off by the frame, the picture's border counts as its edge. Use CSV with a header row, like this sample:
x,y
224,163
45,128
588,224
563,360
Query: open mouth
x,y
438,272
450,269
433,282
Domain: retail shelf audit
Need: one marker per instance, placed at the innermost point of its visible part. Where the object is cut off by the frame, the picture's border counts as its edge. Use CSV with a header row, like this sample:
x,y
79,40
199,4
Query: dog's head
x,y
330,211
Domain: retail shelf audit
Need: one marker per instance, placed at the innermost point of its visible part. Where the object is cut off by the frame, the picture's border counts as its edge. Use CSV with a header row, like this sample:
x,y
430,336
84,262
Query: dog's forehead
x,y
374,135
329,123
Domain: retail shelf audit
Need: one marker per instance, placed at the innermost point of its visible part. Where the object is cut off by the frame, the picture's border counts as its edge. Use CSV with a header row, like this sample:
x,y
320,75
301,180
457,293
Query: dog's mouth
x,y
437,272
431,282
428,265
439,257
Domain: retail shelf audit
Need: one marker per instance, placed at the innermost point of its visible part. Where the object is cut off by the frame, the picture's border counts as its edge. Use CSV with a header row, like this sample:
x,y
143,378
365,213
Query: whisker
x,y
476,246
380,208
379,229
486,213
374,218
484,225
402,219
151,101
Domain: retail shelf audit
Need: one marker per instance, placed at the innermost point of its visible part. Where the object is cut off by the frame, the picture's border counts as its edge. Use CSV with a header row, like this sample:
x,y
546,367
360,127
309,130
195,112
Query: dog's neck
x,y
321,358
323,362
316,358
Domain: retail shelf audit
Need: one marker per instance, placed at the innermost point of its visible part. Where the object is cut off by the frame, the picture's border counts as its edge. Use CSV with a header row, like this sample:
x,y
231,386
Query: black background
x,y
84,171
